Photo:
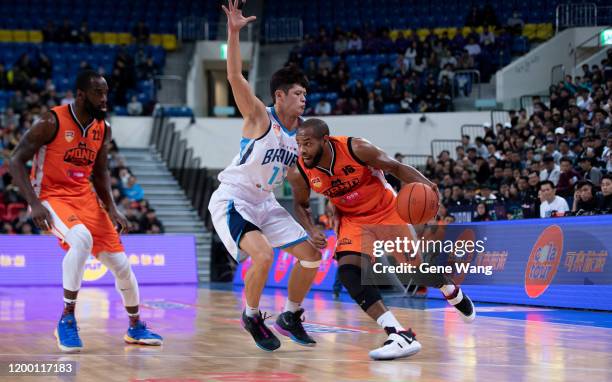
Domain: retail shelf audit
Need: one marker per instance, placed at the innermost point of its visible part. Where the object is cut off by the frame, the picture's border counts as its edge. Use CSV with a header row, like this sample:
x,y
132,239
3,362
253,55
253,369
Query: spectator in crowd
x,y
68,98
567,178
605,201
481,214
149,221
141,33
549,202
589,172
134,107
551,171
323,107
133,191
584,197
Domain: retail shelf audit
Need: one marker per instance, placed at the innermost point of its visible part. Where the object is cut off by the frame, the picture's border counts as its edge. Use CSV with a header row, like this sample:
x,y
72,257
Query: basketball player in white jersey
x,y
245,213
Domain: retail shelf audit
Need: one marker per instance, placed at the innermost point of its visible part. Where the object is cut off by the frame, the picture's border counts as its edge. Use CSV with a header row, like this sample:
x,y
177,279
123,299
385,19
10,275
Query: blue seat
x,y
391,108
332,97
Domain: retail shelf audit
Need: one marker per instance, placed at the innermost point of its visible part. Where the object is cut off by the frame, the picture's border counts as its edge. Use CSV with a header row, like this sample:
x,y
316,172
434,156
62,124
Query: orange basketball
x,y
417,203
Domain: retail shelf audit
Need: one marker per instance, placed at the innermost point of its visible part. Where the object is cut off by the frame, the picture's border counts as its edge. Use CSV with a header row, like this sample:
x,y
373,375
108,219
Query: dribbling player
x,y
68,145
349,172
244,211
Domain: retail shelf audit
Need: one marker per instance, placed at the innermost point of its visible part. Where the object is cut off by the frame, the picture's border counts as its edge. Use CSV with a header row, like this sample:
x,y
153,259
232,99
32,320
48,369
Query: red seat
x,y
2,212
12,211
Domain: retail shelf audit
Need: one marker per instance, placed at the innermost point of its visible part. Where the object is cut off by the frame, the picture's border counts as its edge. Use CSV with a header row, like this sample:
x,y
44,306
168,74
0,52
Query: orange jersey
x,y
62,167
358,191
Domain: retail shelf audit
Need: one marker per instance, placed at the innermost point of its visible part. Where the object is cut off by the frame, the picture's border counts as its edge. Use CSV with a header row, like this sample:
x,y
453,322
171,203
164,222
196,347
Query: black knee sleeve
x,y
364,295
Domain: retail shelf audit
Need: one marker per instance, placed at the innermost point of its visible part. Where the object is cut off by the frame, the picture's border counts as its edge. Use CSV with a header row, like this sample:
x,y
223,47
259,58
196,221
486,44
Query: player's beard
x,y
93,111
317,158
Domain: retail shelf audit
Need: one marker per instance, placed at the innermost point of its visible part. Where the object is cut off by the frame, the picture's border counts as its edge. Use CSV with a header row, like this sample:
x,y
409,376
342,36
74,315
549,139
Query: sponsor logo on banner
x,y
94,270
283,263
544,261
327,258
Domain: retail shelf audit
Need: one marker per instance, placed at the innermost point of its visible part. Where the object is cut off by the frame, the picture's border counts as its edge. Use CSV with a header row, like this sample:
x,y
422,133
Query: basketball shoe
x,y
141,335
263,336
398,345
67,334
463,304
289,324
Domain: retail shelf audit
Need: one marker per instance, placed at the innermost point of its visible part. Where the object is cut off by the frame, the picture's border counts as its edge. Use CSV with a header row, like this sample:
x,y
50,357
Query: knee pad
x,y
125,280
310,264
364,295
79,238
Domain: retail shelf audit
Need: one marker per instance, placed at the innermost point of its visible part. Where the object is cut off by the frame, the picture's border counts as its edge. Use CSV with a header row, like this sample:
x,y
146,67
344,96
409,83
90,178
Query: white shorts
x,y
230,215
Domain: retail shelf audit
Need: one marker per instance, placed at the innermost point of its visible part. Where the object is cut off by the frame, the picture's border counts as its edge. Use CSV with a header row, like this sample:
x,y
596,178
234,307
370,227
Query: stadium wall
x,y
531,74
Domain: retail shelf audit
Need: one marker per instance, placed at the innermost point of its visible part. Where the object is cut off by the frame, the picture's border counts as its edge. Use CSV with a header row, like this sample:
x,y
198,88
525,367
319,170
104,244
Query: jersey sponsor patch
x,y
80,156
69,135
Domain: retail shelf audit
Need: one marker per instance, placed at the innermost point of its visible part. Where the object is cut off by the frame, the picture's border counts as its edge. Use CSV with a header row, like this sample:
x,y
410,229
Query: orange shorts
x,y
67,213
359,235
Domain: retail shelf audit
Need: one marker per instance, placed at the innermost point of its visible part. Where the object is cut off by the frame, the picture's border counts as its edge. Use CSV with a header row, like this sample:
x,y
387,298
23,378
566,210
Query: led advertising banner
x,y
156,259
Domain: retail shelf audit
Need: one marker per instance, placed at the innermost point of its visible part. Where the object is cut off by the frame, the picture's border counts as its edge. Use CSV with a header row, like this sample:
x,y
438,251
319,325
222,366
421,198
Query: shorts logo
x,y
72,218
69,135
345,241
544,261
316,182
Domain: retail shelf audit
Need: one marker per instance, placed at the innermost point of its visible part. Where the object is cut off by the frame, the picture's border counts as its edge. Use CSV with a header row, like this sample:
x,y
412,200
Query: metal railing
x,y
194,28
557,74
439,145
575,15
284,29
473,130
499,116
526,101
415,160
198,183
465,88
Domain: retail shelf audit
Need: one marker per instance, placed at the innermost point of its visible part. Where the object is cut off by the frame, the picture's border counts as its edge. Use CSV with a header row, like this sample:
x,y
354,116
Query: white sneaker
x,y
398,345
463,304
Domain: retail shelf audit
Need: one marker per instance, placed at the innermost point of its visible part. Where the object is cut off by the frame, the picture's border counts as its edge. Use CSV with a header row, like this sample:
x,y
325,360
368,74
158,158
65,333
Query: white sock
x,y
291,306
68,301
448,290
388,320
251,312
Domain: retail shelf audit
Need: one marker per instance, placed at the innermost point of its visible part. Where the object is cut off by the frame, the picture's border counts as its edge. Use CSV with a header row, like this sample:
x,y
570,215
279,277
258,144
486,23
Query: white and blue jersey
x,y
246,191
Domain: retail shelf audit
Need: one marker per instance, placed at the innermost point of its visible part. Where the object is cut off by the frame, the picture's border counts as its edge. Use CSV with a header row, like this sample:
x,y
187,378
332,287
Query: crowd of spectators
x,y
374,71
14,216
556,161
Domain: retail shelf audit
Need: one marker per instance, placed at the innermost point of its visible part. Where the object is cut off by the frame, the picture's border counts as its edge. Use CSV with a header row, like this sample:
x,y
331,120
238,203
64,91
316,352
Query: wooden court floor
x,y
204,341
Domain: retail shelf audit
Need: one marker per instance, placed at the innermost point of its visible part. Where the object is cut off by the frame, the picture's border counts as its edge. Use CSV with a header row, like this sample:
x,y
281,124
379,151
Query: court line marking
x,y
301,359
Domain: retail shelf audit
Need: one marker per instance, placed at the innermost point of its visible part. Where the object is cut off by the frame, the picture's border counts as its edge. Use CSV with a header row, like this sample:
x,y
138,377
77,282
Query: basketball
x,y
417,203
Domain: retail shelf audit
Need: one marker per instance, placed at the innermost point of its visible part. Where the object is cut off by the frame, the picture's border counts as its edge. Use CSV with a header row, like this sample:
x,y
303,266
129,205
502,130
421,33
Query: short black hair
x,y
545,182
606,176
283,79
584,182
318,126
565,159
84,77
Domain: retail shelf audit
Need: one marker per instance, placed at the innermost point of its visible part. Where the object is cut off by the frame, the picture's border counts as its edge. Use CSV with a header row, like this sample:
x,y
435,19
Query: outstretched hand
x,y
235,19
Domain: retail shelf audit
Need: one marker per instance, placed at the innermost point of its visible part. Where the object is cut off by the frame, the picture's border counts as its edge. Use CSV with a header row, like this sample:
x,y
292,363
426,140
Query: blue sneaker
x,y
142,335
67,334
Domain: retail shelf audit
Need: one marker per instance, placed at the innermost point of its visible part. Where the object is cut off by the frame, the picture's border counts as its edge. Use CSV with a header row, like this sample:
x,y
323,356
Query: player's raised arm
x,y
375,157
102,183
301,206
251,107
39,135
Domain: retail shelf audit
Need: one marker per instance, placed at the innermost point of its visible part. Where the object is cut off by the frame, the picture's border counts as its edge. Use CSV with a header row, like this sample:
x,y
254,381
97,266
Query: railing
x,y
197,182
439,145
499,116
557,74
199,28
575,15
527,101
464,87
174,90
284,29
473,130
415,160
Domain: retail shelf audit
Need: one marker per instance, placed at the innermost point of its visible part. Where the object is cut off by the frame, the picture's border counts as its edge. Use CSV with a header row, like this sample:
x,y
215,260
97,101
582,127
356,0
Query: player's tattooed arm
x,y
40,134
375,157
102,183
252,109
301,207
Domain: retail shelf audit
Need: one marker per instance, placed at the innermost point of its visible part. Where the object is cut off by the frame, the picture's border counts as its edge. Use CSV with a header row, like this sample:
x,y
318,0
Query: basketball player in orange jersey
x,y
349,172
69,145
